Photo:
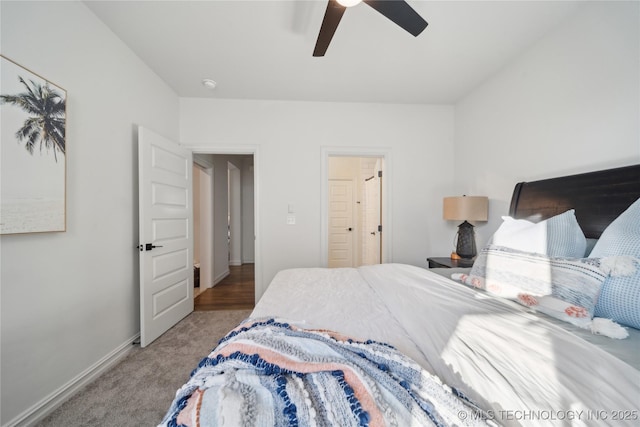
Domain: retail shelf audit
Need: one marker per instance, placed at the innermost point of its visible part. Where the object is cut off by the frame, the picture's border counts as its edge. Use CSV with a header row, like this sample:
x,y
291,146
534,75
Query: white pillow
x,y
558,236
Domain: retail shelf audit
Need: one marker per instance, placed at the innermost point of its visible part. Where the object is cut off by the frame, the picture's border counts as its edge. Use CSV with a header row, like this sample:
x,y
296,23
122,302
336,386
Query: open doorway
x,y
230,198
354,211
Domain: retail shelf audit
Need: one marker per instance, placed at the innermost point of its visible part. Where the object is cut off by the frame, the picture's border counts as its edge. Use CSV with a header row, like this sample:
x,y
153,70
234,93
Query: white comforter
x,y
522,369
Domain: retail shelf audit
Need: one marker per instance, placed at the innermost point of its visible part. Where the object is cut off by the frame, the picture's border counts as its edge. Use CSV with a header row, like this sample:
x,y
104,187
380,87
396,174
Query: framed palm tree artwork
x,y
32,152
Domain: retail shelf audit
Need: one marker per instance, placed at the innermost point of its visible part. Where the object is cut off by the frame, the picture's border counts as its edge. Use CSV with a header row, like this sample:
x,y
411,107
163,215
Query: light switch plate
x,y
291,219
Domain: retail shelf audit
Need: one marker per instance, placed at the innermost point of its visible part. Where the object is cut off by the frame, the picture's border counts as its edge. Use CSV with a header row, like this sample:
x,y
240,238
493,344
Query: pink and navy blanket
x,y
268,372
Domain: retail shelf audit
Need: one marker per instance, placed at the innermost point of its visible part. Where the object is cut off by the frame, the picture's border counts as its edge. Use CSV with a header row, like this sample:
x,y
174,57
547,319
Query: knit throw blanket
x,y
267,372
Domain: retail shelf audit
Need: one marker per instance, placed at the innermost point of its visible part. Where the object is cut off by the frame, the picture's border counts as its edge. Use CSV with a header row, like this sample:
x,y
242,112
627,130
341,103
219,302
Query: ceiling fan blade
x,y
330,22
401,13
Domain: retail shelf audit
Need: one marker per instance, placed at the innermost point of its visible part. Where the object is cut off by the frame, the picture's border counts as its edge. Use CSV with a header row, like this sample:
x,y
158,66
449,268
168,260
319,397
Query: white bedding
x,y
522,368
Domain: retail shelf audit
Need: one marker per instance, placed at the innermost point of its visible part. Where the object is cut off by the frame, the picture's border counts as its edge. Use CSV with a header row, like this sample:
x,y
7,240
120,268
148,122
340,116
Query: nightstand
x,y
447,262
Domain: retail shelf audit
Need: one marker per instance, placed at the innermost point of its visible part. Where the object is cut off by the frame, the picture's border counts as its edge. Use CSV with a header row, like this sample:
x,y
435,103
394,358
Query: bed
x,y
395,344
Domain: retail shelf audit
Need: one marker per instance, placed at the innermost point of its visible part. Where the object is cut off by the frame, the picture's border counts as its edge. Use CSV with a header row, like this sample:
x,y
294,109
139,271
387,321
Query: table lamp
x,y
465,208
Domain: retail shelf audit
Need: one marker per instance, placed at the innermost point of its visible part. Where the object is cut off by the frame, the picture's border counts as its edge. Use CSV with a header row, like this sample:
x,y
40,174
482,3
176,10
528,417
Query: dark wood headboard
x,y
597,197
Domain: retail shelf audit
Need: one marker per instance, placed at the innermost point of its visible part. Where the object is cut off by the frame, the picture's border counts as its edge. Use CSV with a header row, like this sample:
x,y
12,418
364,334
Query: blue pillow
x,y
620,296
564,288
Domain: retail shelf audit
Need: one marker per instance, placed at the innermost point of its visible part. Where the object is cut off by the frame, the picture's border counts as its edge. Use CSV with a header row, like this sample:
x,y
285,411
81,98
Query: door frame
x,y
379,152
244,150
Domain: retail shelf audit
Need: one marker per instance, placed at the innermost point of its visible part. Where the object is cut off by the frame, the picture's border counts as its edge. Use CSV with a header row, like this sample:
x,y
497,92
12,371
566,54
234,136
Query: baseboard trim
x,y
235,262
220,276
40,410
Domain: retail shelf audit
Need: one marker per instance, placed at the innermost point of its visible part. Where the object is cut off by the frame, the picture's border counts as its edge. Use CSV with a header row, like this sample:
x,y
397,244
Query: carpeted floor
x,y
139,389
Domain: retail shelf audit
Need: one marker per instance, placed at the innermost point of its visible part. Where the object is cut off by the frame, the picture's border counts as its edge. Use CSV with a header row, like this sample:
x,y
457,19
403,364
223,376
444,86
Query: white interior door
x,y
166,234
341,223
372,219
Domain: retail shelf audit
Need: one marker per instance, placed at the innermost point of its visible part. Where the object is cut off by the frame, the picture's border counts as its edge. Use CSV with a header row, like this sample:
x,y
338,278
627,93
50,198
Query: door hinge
x,y
379,174
147,247
380,229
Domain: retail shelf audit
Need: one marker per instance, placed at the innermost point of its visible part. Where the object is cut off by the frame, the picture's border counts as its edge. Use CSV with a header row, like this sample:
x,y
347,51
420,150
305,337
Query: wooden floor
x,y
234,292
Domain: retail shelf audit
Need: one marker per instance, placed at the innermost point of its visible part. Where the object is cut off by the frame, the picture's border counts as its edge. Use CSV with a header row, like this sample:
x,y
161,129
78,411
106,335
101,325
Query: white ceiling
x,y
263,49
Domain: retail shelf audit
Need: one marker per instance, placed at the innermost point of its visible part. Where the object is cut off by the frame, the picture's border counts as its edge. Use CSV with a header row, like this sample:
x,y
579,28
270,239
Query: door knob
x,y
349,229
147,247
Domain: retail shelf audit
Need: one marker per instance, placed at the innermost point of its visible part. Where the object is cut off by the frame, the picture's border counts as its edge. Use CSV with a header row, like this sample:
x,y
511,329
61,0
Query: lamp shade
x,y
465,208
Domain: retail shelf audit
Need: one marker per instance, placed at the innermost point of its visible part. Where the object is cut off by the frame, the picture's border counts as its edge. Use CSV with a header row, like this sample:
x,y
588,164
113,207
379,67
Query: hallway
x,y
234,292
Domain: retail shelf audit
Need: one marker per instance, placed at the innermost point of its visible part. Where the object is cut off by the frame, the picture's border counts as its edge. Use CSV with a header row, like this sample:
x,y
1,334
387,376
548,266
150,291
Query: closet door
x,y
341,223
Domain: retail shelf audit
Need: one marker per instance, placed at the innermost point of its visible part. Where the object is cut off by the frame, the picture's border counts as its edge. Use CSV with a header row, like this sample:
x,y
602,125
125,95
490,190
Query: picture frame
x,y
32,152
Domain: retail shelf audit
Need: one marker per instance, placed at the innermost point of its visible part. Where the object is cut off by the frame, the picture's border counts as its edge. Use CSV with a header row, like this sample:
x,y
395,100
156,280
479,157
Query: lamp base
x,y
466,246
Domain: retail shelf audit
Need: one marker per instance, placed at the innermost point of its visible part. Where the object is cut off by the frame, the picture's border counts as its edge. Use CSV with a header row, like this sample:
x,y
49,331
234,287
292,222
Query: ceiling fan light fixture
x,y
398,11
209,84
348,3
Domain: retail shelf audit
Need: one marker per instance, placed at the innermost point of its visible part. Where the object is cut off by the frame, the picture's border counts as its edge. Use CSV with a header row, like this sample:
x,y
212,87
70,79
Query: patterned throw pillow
x,y
620,297
558,236
564,288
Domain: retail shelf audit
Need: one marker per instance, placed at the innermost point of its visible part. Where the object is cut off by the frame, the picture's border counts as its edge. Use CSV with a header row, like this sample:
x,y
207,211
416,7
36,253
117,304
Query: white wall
x,y
235,215
198,176
203,220
570,104
220,220
290,135
248,226
70,299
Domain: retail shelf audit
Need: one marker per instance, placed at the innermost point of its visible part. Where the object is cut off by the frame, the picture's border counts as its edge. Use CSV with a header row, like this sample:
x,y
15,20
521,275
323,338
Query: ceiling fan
x,y
398,11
